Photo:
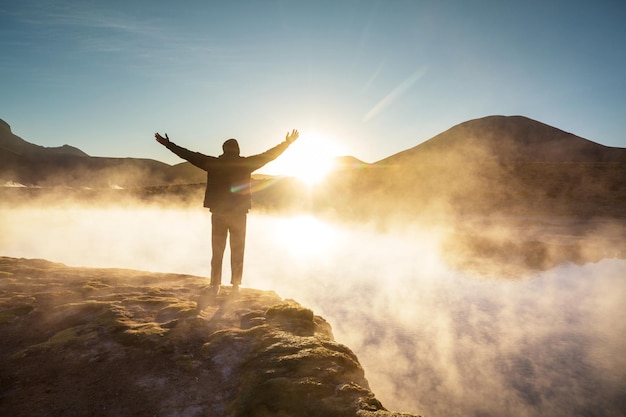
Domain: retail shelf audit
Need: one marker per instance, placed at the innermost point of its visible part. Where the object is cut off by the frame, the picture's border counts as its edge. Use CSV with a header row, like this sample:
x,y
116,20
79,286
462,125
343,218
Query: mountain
x,y
115,342
348,162
11,143
497,164
25,163
507,139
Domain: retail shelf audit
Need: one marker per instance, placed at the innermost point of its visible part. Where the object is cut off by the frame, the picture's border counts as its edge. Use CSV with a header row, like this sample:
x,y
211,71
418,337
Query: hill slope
x,y
507,139
65,166
494,165
14,144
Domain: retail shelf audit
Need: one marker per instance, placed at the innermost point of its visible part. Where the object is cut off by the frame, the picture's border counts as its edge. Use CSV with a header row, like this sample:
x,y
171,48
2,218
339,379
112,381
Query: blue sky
x,y
371,77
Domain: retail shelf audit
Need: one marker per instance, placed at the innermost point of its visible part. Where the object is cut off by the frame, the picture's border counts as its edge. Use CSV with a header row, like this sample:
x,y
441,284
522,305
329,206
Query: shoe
x,y
214,290
235,289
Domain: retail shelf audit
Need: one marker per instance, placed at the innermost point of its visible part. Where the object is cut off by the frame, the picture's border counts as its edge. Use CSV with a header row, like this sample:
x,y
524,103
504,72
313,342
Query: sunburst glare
x,y
309,159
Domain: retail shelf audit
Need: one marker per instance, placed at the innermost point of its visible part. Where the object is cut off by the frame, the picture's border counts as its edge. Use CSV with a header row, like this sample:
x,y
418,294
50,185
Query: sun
x,y
308,159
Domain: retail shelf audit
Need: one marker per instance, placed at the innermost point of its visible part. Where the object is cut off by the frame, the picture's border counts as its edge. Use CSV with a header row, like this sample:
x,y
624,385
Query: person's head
x,y
231,147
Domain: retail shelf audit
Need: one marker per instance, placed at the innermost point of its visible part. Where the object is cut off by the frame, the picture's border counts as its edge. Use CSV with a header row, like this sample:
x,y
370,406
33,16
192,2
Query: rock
x,y
113,342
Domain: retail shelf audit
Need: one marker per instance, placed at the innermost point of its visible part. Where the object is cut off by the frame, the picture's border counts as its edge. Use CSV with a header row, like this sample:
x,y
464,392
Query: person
x,y
228,197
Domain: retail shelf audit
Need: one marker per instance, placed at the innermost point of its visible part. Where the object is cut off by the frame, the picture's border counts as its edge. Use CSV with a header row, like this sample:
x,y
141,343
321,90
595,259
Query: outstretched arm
x,y
257,161
196,158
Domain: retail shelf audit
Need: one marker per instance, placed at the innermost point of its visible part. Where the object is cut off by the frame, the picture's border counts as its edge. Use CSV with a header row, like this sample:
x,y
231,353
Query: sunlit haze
x,y
433,340
378,77
411,270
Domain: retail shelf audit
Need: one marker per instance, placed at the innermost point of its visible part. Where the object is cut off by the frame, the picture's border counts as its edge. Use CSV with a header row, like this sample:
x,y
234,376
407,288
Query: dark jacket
x,y
228,176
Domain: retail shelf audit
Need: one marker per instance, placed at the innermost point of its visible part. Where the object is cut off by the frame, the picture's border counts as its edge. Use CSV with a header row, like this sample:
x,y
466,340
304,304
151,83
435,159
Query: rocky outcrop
x,y
112,342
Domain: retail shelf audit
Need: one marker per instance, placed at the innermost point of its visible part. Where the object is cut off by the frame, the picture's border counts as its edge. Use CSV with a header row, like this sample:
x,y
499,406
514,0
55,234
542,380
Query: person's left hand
x,y
162,140
291,137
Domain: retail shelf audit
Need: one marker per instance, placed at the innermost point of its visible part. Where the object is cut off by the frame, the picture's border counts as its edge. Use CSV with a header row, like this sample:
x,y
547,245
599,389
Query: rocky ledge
x,y
114,342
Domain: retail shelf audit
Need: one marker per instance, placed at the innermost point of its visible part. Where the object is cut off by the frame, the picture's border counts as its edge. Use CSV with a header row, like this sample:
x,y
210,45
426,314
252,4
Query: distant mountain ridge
x,y
10,142
510,165
508,139
495,163
22,162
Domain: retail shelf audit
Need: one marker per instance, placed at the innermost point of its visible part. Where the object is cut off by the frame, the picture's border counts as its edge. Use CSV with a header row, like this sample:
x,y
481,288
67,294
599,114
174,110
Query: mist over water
x,y
432,340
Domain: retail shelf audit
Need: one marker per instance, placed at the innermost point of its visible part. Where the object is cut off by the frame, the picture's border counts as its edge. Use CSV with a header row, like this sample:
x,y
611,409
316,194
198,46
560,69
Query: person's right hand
x,y
162,140
291,137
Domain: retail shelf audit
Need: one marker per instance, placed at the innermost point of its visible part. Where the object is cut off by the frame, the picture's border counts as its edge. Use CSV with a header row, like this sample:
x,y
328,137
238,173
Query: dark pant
x,y
222,225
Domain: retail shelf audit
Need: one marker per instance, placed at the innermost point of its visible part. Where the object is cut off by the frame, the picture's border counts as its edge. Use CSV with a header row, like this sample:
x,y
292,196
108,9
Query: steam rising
x,y
431,339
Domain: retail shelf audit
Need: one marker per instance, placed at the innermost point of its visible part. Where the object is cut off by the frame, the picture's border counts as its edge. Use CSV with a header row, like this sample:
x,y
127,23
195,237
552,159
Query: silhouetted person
x,y
228,197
